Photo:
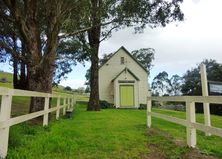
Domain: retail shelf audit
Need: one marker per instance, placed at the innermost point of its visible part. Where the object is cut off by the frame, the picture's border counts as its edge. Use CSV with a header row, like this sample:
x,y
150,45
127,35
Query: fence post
x,y
191,118
64,108
206,106
58,108
5,114
46,114
149,105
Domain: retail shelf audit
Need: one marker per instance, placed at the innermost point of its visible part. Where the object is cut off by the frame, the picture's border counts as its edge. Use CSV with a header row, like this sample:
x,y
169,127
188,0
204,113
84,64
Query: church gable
x,y
122,57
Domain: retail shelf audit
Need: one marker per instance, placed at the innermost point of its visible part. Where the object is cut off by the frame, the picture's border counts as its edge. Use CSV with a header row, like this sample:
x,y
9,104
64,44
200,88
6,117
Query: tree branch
x,y
84,30
108,33
14,53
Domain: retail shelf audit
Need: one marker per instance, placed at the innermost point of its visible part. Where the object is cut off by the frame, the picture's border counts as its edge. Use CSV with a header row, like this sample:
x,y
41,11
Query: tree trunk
x,y
15,73
94,41
94,83
40,80
15,65
24,75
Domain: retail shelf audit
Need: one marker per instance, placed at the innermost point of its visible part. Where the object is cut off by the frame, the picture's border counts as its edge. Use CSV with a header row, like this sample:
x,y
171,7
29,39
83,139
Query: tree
x,y
116,15
192,80
80,90
87,76
105,58
69,52
145,56
38,24
68,88
175,85
9,34
161,84
192,83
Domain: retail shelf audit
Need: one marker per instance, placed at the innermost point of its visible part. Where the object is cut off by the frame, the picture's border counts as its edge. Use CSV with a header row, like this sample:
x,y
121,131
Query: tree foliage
x,y
164,85
37,26
68,88
42,25
145,56
117,15
192,83
175,85
192,79
161,84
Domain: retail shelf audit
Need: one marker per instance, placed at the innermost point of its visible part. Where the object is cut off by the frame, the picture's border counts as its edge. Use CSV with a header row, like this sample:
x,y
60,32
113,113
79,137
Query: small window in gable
x,y
122,60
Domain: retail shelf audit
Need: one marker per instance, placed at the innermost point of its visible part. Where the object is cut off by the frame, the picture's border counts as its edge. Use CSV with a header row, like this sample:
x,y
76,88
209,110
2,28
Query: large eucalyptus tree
x,y
105,16
38,25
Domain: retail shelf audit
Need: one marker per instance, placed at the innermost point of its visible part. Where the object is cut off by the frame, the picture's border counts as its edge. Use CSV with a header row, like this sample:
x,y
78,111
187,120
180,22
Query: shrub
x,y
142,106
105,105
67,88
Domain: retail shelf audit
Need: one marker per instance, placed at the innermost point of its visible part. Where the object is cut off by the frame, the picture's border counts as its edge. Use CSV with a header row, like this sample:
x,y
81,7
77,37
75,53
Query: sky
x,y
178,47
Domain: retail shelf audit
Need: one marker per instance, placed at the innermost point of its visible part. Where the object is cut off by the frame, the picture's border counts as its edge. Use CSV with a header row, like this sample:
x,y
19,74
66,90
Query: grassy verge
x,y
208,145
110,133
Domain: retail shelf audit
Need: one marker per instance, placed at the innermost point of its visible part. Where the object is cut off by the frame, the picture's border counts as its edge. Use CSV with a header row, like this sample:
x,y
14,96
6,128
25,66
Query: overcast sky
x,y
179,46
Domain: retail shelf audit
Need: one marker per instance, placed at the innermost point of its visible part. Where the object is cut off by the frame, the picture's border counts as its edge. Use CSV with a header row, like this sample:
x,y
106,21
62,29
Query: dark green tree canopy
x,y
192,80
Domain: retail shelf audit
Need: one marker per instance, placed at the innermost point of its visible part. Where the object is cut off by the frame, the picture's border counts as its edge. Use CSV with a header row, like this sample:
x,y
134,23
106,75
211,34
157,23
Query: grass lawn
x,y
110,133
8,77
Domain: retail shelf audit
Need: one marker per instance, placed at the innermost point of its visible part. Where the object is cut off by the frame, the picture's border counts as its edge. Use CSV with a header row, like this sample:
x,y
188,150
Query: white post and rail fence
x,y
190,121
6,121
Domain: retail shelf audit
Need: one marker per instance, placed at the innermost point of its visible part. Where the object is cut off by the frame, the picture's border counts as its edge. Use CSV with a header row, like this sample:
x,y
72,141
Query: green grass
x,y
110,133
104,134
208,145
8,77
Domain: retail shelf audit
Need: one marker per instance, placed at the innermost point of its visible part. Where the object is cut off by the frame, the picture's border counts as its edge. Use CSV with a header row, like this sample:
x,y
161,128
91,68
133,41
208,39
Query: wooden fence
x,y
5,112
190,121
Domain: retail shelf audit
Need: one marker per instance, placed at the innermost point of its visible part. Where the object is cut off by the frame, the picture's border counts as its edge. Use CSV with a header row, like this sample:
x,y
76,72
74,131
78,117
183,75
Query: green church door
x,y
126,95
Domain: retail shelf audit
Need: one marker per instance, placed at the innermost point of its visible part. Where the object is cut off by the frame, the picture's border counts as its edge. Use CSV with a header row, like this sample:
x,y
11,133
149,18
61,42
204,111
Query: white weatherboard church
x,y
123,81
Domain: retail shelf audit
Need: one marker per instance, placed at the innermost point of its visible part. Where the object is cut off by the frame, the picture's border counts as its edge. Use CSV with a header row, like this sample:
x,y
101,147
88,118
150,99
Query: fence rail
x,y
5,112
190,121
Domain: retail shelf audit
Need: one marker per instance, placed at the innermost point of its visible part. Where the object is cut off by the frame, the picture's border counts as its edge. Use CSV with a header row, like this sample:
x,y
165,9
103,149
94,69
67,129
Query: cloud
x,y
73,83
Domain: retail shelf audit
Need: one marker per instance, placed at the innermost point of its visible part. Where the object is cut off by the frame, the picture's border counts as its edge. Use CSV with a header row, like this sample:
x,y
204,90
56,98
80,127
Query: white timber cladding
x,y
109,90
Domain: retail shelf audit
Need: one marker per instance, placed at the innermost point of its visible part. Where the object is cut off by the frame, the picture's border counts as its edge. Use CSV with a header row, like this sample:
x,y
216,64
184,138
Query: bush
x,y
67,88
142,106
105,105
